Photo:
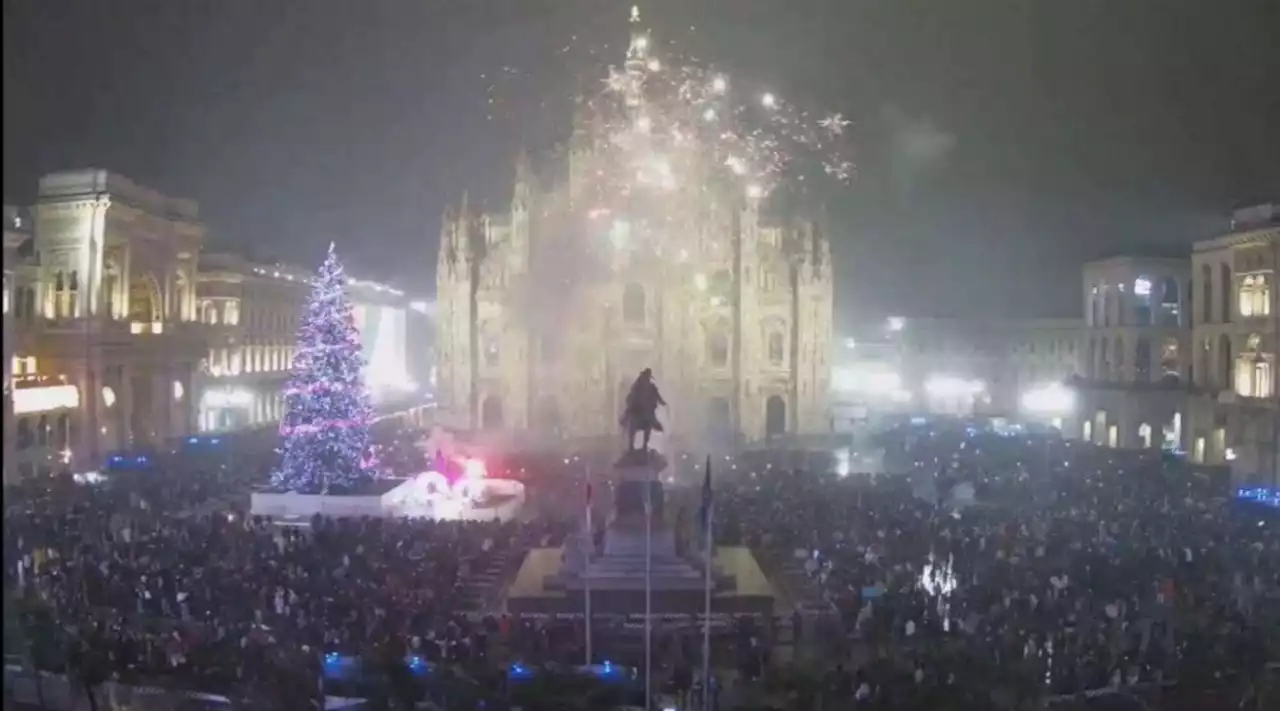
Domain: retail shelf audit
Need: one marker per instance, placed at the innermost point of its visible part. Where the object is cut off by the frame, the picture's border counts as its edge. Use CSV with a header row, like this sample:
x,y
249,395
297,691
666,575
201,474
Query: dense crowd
x,y
1009,568
1001,569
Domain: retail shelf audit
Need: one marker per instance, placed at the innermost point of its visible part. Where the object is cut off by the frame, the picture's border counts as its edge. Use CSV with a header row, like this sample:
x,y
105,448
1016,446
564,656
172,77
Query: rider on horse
x,y
641,412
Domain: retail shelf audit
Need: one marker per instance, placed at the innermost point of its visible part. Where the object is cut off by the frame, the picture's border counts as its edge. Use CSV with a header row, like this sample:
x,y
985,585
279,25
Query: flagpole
x,y
588,549
706,619
648,584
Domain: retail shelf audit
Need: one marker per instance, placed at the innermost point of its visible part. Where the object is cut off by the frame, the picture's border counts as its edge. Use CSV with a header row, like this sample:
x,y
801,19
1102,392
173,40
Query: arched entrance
x,y
775,416
491,413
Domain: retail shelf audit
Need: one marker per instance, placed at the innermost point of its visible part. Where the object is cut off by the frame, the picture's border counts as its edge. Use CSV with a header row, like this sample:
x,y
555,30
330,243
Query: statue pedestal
x,y
638,567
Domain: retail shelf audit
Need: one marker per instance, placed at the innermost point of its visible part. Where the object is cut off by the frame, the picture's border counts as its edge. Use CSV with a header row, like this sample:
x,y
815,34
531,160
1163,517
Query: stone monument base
x,y
639,554
542,587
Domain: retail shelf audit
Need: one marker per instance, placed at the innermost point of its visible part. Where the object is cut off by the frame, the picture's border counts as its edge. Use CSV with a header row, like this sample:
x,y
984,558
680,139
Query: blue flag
x,y
704,511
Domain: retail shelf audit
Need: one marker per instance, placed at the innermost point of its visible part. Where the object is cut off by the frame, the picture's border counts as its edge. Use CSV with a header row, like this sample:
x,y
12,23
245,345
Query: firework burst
x,y
661,123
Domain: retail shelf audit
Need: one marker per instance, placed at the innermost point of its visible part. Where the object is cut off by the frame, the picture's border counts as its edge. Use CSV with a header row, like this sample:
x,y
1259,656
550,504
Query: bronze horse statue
x,y
641,411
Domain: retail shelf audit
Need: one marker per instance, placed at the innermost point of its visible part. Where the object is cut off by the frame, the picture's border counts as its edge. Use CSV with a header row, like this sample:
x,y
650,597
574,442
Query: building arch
x,y
775,416
633,304
1143,314
1254,374
717,345
182,294
110,288
1144,435
491,416
144,299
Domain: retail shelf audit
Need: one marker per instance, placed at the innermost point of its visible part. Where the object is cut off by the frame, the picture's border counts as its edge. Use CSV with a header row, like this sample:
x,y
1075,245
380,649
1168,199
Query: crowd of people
x,y
999,569
1011,568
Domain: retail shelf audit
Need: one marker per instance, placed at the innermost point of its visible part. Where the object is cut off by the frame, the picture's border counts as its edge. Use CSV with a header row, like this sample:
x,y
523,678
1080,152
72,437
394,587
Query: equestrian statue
x,y
641,411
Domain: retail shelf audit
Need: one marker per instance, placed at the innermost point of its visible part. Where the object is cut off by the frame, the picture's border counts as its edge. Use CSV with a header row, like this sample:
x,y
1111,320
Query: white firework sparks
x,y
663,137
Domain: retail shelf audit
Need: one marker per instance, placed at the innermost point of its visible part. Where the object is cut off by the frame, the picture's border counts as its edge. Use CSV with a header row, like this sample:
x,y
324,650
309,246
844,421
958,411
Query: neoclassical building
x,y
104,350
733,314
1181,353
121,335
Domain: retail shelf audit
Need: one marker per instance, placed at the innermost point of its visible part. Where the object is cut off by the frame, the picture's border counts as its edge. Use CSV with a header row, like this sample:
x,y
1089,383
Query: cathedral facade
x,y
549,310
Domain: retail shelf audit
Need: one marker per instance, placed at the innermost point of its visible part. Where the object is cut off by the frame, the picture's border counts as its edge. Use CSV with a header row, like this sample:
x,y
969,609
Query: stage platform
x,y
752,593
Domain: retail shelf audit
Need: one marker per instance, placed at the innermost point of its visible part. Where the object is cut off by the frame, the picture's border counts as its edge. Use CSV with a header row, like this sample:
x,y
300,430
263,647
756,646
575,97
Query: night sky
x,y
998,143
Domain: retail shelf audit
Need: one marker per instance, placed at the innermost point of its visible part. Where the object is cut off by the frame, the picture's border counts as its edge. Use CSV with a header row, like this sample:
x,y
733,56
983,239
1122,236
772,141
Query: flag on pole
x,y
704,511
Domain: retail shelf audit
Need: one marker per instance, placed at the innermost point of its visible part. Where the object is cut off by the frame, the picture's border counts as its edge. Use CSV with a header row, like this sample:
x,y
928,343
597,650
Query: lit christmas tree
x,y
325,430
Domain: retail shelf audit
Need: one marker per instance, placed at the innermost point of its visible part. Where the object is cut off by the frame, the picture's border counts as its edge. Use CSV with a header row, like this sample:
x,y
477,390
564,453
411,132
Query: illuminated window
x,y
1254,374
1142,302
1144,435
24,365
232,313
1254,296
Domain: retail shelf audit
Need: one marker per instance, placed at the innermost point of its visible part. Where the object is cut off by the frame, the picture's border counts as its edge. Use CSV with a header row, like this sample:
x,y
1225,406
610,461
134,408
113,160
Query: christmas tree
x,y
325,431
